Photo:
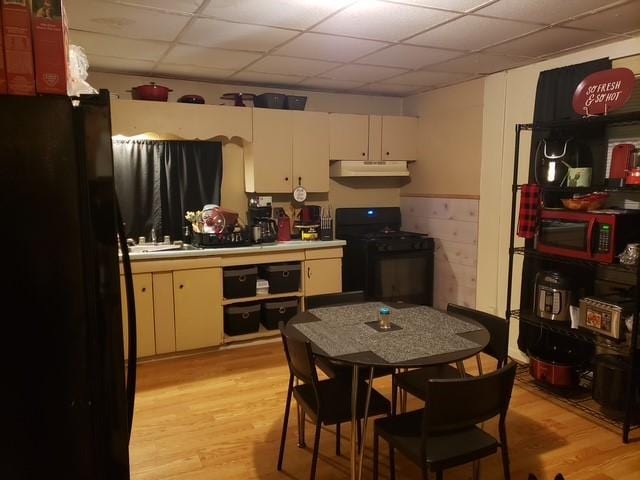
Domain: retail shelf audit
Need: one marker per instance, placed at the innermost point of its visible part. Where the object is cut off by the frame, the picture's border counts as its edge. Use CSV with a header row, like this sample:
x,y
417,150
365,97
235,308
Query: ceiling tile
x,y
291,66
329,83
125,21
622,19
427,79
382,21
106,45
115,64
480,63
547,42
209,57
389,89
298,14
183,6
266,78
207,32
543,11
328,47
362,73
455,5
407,56
190,71
479,32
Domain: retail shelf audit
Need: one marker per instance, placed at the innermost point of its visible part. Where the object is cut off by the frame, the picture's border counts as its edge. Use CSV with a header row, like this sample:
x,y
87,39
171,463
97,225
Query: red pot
x,y
152,92
554,373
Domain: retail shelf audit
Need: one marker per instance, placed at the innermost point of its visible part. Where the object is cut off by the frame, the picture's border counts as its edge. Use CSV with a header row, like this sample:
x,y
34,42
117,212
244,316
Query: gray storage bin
x,y
282,278
239,282
278,311
241,319
269,100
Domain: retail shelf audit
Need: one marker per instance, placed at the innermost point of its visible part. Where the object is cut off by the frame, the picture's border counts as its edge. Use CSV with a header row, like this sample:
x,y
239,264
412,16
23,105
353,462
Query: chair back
x,y
299,358
334,299
498,346
459,403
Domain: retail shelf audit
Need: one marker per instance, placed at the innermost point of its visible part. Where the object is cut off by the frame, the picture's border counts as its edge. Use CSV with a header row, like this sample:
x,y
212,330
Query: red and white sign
x,y
604,91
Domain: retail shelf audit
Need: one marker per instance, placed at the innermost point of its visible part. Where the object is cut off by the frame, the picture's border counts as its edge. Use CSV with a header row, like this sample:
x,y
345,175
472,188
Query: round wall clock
x,y
300,194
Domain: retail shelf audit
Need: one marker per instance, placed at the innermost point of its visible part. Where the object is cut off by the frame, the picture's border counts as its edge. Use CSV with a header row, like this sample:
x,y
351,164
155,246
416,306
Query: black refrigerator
x,y
68,393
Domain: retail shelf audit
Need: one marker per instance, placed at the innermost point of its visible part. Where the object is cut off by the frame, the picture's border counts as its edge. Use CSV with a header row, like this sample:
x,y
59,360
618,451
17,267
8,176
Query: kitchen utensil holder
x,y
326,229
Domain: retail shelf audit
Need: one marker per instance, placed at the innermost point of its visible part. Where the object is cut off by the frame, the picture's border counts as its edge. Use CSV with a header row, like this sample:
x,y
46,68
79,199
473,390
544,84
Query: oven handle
x,y
592,223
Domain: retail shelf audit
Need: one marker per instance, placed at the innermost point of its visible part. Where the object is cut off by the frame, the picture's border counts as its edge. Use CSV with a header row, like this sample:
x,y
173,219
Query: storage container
x,y
269,100
242,319
278,311
282,278
295,102
262,287
239,282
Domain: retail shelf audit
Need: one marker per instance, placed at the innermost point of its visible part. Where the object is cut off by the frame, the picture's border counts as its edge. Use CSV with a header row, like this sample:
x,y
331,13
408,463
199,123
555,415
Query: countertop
x,y
217,252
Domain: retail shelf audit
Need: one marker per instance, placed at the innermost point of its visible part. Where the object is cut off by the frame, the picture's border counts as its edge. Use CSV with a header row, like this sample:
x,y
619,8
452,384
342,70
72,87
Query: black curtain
x,y
158,181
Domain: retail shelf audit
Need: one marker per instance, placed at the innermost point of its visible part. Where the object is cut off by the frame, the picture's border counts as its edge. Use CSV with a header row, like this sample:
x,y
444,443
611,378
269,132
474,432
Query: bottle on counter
x,y
384,318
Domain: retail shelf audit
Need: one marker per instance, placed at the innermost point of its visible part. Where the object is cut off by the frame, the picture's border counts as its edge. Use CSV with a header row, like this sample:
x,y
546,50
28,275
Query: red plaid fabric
x,y
528,217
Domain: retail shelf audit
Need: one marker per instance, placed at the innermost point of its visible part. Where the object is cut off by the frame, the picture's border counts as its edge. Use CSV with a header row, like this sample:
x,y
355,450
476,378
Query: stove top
x,y
391,235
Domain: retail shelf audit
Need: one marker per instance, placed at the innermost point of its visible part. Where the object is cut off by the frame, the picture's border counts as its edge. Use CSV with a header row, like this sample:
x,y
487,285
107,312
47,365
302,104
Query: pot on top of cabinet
x,y
151,91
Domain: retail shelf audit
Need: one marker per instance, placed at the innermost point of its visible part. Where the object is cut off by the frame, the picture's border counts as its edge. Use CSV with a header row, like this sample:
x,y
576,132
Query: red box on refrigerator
x,y
18,54
3,75
50,46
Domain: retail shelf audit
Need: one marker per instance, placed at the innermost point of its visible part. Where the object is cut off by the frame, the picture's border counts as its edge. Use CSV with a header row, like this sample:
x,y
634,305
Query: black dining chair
x,y
326,402
330,368
414,381
444,434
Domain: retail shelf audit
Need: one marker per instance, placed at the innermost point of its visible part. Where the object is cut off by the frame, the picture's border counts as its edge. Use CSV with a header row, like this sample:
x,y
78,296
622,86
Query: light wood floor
x,y
218,416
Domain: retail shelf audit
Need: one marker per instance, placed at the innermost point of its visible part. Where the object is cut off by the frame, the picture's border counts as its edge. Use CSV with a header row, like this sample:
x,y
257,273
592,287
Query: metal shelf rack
x,y
629,419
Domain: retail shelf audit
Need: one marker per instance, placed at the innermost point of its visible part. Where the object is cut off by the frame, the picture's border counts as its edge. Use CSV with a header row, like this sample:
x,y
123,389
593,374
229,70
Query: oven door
x,y
401,276
562,236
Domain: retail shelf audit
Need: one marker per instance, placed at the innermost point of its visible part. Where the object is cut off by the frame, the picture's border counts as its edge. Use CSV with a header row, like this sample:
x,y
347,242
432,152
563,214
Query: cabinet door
x,y
399,138
322,276
198,308
348,136
311,150
271,151
375,138
143,294
164,322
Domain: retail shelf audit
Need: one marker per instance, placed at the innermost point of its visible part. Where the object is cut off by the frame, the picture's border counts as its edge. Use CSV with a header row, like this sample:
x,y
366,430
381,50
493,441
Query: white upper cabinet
x,y
348,136
311,150
399,139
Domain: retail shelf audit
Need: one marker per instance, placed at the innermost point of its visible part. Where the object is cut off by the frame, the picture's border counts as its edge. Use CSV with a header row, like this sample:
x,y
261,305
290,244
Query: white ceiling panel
x,y
291,66
479,32
480,63
547,42
183,6
362,73
207,32
121,20
330,84
407,56
382,21
427,79
107,45
298,14
389,89
543,11
266,78
209,57
622,19
117,64
329,47
454,5
191,71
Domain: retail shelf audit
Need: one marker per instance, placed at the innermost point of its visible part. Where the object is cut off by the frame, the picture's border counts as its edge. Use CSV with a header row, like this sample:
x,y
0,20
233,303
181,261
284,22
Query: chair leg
x,y
425,472
285,422
476,470
479,361
338,439
376,446
392,463
359,434
439,475
300,412
394,395
316,447
504,449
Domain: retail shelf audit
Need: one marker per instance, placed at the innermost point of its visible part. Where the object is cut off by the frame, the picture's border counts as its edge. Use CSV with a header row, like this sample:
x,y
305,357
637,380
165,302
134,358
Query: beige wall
x,y
509,99
357,192
450,129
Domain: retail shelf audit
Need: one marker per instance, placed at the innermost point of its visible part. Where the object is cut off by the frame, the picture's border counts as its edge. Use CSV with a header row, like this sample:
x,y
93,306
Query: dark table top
x,y
427,325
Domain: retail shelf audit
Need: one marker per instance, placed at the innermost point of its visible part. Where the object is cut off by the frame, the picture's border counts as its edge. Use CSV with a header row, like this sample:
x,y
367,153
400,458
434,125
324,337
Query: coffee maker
x,y
264,229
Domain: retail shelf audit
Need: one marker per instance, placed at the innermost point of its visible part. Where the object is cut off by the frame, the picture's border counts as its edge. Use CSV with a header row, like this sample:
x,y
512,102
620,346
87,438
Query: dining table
x,y
418,336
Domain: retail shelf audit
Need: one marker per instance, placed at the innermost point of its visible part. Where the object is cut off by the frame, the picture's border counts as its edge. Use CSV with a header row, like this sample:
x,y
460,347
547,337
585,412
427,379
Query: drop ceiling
x,y
388,47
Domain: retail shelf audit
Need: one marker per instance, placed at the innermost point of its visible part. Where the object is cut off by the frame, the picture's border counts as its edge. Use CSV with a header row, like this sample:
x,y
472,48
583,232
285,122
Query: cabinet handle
x,y
308,272
387,153
286,179
299,181
363,154
181,287
144,289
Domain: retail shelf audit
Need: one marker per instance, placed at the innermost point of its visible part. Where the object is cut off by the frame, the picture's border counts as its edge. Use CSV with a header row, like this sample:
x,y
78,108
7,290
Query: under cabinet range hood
x,y
351,168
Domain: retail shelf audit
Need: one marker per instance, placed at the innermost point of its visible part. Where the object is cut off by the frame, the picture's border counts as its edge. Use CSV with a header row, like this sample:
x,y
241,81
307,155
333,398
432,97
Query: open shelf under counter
x,y
260,334
257,298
